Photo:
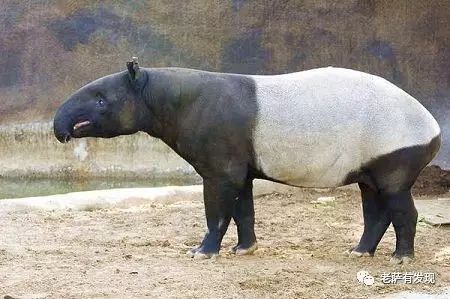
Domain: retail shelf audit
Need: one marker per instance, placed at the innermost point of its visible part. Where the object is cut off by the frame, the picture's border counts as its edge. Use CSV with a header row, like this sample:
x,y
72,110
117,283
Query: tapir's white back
x,y
315,127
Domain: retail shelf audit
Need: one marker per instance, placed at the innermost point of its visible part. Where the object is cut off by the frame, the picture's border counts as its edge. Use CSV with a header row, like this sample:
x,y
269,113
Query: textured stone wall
x,y
50,48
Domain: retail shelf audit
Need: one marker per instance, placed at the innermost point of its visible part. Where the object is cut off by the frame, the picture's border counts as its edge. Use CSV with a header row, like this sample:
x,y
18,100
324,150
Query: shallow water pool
x,y
26,187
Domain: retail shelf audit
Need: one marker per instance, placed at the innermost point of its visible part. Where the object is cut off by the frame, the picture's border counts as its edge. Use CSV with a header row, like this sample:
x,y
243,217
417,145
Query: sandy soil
x,y
140,251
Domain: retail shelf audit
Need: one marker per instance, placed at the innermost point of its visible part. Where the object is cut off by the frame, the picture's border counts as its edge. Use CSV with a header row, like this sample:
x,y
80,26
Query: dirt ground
x,y
432,180
139,251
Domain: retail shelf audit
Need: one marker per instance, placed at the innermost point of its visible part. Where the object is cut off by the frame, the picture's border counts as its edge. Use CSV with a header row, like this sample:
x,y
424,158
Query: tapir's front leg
x,y
220,197
244,216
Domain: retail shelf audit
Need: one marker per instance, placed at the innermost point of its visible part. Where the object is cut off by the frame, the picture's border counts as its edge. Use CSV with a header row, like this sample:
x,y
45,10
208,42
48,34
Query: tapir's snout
x,y
63,138
62,125
63,135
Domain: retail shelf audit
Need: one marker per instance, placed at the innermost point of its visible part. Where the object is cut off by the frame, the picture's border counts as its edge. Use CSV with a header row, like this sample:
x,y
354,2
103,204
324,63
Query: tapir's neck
x,y
169,94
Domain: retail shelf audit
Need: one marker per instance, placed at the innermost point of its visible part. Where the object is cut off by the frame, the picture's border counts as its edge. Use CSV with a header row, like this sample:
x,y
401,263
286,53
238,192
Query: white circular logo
x,y
368,280
365,278
361,274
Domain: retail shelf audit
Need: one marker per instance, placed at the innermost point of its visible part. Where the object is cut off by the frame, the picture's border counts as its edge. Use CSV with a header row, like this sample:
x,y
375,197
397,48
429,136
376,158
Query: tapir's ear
x,y
133,68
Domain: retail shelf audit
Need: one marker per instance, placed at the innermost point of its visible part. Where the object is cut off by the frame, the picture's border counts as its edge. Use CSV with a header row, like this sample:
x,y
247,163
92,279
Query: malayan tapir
x,y
324,127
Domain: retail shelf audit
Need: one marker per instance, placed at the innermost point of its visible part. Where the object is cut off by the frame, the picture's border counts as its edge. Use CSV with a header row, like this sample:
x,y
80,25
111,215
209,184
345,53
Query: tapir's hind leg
x,y
404,219
394,175
376,221
385,185
379,209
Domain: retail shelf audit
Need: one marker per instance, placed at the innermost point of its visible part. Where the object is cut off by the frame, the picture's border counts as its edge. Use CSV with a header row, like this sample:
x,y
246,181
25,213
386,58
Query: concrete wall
x,y
50,48
31,150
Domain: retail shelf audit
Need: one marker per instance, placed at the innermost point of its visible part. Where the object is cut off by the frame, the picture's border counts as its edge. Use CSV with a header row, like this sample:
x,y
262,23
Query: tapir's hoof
x,y
354,253
198,255
238,250
397,259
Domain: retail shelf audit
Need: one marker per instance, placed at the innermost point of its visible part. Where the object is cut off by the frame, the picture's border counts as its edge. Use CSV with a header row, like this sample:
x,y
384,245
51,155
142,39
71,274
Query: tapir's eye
x,y
101,103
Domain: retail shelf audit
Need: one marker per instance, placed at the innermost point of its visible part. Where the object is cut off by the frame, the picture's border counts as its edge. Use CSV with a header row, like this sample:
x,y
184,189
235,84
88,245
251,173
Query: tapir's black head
x,y
107,107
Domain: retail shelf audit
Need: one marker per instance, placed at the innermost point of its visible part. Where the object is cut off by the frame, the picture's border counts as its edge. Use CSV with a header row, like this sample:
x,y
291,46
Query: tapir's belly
x,y
314,128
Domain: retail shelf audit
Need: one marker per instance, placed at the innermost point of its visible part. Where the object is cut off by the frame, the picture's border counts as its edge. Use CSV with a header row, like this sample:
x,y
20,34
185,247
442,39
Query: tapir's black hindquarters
x,y
385,185
396,171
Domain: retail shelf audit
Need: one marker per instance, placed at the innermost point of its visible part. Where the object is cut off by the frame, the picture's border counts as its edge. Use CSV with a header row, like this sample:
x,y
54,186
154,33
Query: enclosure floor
x,y
140,251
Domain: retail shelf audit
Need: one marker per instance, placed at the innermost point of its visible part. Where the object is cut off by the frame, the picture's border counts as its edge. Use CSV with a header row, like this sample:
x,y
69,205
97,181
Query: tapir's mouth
x,y
79,127
81,124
